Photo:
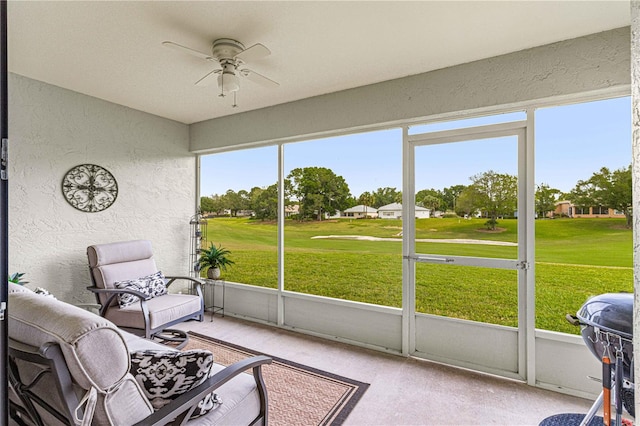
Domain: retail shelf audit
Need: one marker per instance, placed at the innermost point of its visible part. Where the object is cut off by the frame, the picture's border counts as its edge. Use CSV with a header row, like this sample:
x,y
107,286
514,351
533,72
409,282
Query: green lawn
x,y
576,258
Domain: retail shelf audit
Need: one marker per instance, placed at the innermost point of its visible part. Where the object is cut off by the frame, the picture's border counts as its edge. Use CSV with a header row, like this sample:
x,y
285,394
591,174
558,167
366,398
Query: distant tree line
x,y
319,191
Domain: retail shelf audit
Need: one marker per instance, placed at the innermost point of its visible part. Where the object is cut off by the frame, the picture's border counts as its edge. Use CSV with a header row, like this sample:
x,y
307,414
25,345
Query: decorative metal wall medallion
x,y
89,188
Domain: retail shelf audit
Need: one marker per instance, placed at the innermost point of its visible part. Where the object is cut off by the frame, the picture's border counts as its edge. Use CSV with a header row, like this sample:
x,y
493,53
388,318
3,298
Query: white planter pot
x,y
213,273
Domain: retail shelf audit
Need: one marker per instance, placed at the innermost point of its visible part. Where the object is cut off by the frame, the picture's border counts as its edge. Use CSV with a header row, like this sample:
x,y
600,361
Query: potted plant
x,y
16,278
214,259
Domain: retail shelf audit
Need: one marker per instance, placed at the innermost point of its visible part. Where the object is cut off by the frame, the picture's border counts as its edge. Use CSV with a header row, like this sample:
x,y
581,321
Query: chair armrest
x,y
181,407
115,292
198,282
176,277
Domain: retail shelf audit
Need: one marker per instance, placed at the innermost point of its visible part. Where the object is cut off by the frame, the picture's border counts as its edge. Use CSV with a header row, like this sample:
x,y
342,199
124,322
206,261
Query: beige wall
x,y
635,121
52,130
595,62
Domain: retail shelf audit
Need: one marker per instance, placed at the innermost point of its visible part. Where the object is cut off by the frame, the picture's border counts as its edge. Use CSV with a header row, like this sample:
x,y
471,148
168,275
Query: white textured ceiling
x,y
112,50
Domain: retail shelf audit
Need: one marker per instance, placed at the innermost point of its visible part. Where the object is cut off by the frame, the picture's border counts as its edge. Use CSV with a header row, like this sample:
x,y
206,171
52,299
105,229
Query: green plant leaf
x,y
16,278
215,257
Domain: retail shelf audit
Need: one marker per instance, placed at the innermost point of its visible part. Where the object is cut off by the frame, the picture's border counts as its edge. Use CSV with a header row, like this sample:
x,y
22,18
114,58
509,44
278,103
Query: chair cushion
x,y
17,288
94,350
152,285
106,275
166,374
118,262
240,402
161,311
124,251
240,396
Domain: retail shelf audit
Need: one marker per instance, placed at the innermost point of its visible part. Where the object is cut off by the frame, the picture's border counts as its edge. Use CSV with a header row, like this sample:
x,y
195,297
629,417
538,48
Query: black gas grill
x,y
606,323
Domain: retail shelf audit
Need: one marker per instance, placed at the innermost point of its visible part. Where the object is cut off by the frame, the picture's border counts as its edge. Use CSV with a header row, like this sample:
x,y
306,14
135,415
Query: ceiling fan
x,y
231,56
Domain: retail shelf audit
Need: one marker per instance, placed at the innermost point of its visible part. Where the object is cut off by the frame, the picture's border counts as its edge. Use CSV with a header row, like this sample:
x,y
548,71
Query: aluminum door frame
x,y
524,263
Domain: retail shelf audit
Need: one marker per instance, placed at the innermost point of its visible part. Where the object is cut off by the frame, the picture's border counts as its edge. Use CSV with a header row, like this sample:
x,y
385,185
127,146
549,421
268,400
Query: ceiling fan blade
x,y
252,53
187,50
208,79
258,78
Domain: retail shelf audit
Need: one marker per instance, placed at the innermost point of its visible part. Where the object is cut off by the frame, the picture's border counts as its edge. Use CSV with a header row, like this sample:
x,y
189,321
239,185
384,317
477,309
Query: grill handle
x,y
572,319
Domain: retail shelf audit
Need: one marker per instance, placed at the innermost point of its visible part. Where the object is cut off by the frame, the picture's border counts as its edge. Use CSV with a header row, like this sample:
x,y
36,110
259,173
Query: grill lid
x,y
611,312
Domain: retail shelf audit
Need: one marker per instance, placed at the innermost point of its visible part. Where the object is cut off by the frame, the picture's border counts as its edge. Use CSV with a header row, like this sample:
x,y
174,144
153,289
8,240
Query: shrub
x,y
491,224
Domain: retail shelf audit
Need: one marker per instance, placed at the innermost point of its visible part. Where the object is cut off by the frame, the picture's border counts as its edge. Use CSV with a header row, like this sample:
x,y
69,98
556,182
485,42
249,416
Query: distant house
x,y
567,208
239,213
394,211
390,211
563,208
291,210
359,212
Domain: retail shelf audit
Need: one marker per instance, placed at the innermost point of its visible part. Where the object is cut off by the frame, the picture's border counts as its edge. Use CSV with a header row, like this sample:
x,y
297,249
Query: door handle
x,y
430,259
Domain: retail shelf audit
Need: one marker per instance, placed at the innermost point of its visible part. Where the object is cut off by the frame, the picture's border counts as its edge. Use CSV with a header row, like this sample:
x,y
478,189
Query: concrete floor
x,y
403,391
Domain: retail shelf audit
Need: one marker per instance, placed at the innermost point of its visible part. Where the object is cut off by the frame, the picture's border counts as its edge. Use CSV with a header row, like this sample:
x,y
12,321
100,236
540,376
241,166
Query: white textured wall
x,y
593,62
635,118
52,130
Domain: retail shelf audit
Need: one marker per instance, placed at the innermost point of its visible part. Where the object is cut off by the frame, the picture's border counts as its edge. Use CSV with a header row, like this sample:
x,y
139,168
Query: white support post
x,y
198,171
408,245
529,255
280,308
635,123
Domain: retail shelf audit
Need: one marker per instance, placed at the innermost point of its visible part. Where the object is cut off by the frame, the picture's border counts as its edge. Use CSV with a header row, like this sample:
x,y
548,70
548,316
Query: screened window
x,y
343,227
240,202
590,253
352,256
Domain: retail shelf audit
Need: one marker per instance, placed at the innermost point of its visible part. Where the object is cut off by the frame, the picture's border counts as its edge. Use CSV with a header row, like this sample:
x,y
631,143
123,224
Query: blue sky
x,y
572,142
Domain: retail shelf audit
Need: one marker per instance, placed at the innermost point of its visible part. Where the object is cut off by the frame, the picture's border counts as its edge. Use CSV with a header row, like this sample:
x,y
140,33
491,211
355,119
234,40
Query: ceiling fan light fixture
x,y
232,56
228,82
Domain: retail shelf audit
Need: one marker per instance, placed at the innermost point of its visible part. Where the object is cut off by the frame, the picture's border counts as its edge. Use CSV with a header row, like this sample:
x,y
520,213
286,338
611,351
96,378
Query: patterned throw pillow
x,y
152,285
165,375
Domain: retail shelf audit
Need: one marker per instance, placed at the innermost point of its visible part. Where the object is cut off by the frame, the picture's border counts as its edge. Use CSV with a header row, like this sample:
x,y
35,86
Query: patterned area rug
x,y
570,419
298,395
